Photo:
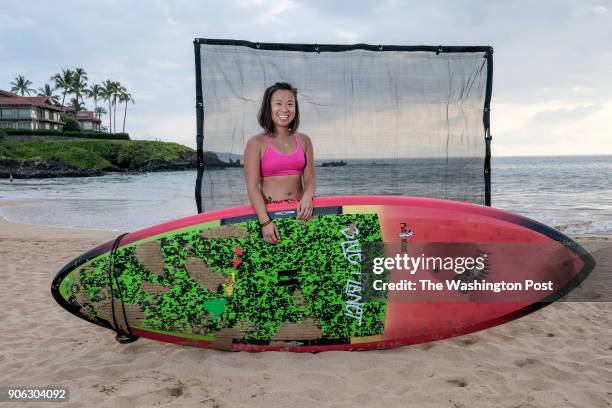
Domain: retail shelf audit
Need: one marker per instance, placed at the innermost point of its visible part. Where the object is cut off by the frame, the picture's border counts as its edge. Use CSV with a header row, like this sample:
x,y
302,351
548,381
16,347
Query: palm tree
x,y
108,88
79,83
77,88
47,91
77,105
94,92
22,85
117,90
125,97
63,81
100,111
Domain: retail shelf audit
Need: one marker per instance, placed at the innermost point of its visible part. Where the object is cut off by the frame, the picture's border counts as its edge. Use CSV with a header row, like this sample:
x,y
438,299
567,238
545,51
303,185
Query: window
x,y
6,113
23,113
24,125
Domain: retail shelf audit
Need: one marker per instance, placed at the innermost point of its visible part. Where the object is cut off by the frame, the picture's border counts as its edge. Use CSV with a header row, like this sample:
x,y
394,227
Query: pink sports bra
x,y
275,163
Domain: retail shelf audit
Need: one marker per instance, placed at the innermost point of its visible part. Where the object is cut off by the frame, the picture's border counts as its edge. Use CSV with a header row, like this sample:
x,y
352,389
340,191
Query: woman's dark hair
x,y
265,111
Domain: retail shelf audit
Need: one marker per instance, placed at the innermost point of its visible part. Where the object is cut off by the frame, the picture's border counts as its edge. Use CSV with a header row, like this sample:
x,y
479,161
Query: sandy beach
x,y
560,356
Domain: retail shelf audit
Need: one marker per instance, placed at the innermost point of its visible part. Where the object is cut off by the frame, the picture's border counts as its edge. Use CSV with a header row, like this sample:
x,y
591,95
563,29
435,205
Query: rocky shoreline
x,y
55,167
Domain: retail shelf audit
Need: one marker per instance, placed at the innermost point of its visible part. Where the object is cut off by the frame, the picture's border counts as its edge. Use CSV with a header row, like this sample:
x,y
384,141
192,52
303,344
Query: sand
x,y
560,356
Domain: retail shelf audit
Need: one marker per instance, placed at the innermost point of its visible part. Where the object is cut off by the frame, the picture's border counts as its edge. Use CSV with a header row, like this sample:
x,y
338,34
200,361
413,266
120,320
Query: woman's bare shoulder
x,y
257,140
304,139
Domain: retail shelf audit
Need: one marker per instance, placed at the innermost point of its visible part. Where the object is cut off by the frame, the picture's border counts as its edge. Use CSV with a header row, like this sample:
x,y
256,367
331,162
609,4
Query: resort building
x,y
88,120
38,112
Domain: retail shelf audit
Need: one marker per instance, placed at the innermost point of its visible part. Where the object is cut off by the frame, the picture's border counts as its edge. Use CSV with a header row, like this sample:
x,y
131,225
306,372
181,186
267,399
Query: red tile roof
x,y
9,98
6,93
87,116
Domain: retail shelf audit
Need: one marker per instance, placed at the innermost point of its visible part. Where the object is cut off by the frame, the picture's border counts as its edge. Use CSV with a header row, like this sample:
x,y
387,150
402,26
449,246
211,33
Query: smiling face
x,y
282,105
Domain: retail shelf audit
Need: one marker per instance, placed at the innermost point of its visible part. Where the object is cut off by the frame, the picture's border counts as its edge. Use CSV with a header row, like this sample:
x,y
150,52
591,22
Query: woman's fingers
x,y
305,212
270,233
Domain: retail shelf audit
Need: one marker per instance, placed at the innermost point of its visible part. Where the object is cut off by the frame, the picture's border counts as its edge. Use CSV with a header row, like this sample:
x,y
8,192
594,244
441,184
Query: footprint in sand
x,y
176,391
467,341
525,362
457,382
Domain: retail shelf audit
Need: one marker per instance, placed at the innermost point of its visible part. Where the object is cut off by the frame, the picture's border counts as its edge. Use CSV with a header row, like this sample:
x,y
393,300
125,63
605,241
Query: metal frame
x,y
318,48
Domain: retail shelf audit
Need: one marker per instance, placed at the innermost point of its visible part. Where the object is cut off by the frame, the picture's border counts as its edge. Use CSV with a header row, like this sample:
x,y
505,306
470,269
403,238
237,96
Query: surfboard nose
x,y
65,285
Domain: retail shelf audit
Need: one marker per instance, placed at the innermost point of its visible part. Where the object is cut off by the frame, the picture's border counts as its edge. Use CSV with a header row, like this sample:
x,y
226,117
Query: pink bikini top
x,y
275,163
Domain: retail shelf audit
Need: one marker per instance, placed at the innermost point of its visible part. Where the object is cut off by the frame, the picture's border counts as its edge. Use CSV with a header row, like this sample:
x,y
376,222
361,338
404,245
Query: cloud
x,y
275,11
551,58
516,132
567,114
10,22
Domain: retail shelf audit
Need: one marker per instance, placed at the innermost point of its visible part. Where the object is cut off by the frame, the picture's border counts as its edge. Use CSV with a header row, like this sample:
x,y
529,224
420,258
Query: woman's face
x,y
283,107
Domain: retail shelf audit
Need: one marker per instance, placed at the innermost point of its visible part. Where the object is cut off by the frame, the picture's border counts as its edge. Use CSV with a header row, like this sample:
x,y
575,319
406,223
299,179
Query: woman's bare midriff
x,y
277,188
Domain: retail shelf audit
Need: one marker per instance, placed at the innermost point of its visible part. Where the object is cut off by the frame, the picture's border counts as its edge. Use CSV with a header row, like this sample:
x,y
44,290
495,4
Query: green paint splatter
x,y
303,276
215,307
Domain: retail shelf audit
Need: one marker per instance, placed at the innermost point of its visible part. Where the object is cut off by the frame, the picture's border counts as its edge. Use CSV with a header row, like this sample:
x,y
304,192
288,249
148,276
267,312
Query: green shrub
x,y
82,135
71,124
2,134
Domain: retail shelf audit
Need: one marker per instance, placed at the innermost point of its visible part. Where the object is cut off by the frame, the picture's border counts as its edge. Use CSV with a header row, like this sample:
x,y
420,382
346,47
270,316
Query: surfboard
x,y
365,272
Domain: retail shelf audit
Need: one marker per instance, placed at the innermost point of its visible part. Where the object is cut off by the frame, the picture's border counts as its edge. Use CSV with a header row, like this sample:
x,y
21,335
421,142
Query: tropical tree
x,y
63,81
117,90
47,91
77,105
94,92
125,97
108,89
78,86
22,85
100,111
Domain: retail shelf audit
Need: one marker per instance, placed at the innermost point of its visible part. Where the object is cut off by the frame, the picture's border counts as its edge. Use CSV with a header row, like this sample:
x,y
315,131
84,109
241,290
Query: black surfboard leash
x,y
122,337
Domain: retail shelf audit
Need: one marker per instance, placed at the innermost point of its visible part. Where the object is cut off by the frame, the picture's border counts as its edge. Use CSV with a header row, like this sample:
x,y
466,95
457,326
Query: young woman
x,y
279,162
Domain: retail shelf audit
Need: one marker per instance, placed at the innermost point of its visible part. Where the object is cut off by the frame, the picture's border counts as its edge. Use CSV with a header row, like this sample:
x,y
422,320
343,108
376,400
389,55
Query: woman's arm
x,y
310,185
252,159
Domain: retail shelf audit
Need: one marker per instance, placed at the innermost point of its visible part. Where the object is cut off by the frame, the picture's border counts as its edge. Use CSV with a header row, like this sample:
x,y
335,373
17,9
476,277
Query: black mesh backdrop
x,y
406,120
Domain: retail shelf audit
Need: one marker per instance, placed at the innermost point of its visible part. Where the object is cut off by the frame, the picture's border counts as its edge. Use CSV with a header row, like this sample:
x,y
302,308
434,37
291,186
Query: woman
x,y
279,162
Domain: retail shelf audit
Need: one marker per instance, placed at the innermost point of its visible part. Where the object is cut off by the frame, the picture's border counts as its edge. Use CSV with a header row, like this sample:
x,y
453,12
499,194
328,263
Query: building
x,y
29,112
88,120
39,112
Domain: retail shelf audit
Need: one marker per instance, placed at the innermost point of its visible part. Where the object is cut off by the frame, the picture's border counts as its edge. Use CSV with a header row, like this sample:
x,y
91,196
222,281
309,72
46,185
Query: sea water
x,y
570,193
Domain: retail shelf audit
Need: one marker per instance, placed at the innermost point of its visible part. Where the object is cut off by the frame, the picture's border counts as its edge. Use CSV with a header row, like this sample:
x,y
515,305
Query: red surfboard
x,y
366,272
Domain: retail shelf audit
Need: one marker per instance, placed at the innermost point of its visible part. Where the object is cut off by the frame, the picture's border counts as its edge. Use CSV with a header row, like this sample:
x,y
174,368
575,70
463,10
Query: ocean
x,y
570,193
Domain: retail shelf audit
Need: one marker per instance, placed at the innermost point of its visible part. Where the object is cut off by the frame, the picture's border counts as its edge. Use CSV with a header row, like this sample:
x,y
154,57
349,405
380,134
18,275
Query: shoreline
x,y
10,229
8,203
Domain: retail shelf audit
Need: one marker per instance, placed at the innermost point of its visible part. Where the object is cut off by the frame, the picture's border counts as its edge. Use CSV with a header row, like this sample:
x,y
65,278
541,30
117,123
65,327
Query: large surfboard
x,y
348,279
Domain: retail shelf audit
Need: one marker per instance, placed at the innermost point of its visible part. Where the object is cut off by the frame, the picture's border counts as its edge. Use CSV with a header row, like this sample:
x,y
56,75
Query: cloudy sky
x,y
552,91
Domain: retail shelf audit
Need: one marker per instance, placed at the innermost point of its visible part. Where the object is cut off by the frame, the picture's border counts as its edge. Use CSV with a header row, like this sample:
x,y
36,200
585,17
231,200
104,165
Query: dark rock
x,y
38,168
55,167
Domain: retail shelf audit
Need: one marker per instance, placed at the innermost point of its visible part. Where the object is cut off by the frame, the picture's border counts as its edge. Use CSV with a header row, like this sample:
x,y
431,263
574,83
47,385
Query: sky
x,y
552,82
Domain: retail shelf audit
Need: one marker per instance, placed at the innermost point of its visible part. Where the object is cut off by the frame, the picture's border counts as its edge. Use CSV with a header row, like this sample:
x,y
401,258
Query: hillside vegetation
x,y
97,154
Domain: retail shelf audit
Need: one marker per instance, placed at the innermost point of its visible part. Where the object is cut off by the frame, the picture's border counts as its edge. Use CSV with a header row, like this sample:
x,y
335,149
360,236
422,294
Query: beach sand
x,y
560,356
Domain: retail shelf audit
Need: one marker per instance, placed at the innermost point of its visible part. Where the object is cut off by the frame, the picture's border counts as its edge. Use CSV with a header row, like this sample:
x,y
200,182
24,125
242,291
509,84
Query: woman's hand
x,y
270,233
305,208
